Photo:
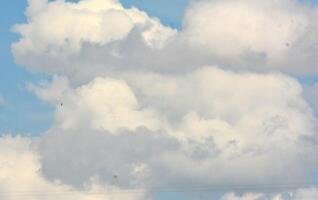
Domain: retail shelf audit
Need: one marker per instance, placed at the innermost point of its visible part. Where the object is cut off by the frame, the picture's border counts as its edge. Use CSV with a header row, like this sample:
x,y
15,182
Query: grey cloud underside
x,y
132,54
128,55
113,159
154,160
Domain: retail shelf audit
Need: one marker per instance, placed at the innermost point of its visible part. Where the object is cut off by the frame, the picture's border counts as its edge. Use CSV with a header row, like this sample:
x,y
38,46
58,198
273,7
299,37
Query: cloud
x,y
92,21
309,193
84,154
20,177
240,35
258,35
300,194
189,126
140,105
74,27
228,28
248,196
104,103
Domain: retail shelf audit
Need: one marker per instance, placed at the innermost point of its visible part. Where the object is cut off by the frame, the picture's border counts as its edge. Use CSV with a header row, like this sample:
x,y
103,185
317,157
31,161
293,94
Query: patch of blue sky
x,y
21,112
188,195
169,12
308,80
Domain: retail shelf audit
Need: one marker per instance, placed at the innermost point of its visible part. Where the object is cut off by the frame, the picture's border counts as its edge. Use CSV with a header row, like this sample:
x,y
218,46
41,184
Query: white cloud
x,y
298,194
104,103
228,28
72,24
139,101
259,35
59,30
20,177
216,119
236,34
248,196
306,194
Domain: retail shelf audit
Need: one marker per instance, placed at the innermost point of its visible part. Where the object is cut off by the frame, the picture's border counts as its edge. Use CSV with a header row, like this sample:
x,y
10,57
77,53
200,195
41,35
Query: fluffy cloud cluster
x,y
20,177
208,127
140,105
249,35
59,32
92,21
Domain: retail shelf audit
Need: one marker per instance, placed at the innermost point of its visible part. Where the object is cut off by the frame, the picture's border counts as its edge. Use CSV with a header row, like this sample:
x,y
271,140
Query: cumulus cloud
x,y
20,177
257,35
140,105
232,27
251,140
270,34
92,21
104,103
58,31
248,35
123,160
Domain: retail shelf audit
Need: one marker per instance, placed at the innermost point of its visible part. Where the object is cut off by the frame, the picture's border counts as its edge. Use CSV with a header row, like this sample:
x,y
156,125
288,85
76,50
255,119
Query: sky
x,y
21,112
174,94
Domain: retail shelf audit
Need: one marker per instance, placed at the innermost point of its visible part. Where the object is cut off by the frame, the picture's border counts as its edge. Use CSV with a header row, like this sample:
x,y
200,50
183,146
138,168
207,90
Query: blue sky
x,y
22,112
